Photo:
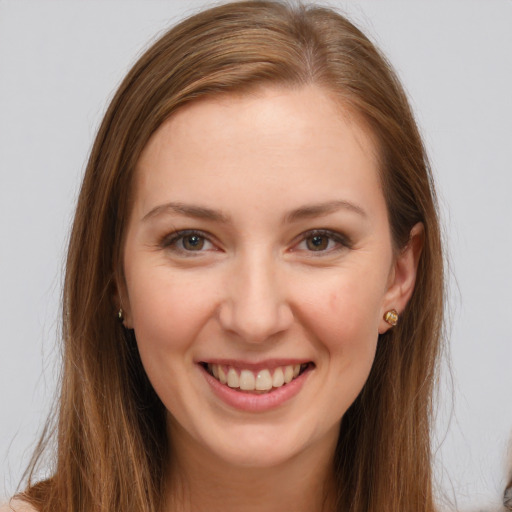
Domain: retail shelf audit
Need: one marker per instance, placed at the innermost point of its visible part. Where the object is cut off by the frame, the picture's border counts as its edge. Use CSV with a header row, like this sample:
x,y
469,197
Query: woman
x,y
254,285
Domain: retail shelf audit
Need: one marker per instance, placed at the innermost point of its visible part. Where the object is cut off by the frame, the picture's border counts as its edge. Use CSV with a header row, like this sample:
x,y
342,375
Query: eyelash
x,y
174,238
342,241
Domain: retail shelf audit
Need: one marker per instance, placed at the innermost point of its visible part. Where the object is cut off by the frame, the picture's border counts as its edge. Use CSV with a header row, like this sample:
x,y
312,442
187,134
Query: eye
x,y
192,242
188,241
322,241
318,242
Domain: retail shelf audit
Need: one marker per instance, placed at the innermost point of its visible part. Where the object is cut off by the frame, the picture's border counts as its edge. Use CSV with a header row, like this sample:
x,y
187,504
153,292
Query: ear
x,y
403,275
122,302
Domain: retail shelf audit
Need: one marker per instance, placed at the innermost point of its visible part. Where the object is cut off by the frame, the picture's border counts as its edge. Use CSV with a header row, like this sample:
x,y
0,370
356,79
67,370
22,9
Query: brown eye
x,y
323,242
193,242
188,242
317,242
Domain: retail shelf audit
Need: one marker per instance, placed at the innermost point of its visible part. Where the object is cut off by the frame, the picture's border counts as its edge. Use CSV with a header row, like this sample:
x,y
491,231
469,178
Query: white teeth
x,y
263,381
222,374
278,378
247,380
233,380
288,374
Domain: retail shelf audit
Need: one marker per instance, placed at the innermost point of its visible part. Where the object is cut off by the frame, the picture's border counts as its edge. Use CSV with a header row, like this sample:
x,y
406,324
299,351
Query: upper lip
x,y
255,366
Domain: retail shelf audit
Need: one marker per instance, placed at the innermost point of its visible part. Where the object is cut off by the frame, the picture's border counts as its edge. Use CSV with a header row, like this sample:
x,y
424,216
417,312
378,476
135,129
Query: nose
x,y
255,305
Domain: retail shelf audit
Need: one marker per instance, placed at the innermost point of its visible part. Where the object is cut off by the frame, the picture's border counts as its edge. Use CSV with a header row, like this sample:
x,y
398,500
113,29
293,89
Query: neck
x,y
199,482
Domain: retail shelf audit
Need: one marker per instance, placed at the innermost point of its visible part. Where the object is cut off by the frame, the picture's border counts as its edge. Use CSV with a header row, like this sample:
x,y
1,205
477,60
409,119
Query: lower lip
x,y
256,402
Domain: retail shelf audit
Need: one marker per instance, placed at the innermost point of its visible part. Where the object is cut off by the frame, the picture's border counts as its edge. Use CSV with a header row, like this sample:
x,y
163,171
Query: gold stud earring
x,y
391,317
120,314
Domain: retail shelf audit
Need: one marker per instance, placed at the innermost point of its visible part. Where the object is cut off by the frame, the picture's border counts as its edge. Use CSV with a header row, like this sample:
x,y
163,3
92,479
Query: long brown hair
x,y
111,439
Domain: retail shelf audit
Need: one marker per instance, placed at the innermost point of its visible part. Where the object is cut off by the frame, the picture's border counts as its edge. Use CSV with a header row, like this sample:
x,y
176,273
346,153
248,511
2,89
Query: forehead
x,y
296,142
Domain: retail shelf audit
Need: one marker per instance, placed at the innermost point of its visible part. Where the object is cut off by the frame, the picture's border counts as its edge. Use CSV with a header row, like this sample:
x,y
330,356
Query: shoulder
x,y
17,506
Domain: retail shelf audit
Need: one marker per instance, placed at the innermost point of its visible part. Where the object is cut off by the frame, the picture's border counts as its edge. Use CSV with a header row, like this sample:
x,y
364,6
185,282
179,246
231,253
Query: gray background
x,y
60,61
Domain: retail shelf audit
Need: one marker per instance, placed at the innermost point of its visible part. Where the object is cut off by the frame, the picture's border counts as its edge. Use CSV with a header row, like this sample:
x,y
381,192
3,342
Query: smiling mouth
x,y
265,380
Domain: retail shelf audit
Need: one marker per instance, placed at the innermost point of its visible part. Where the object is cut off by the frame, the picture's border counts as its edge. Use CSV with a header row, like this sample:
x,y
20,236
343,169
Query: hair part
x,y
112,446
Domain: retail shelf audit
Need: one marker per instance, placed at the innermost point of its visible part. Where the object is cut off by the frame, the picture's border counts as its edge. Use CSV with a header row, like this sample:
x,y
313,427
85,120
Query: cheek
x,y
343,306
168,312
343,316
168,309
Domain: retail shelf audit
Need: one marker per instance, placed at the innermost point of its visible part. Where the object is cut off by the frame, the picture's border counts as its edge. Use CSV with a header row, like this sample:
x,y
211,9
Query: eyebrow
x,y
188,210
304,212
321,209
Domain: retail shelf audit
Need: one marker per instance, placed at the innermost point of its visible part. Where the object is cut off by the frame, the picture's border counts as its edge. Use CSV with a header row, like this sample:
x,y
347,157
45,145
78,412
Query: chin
x,y
269,446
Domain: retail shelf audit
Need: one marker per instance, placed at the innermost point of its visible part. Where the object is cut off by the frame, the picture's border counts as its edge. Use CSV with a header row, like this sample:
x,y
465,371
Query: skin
x,y
17,506
257,289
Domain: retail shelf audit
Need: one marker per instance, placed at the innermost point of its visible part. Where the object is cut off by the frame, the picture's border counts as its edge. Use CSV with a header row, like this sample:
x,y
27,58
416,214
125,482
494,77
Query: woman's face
x,y
259,265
